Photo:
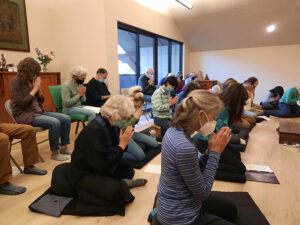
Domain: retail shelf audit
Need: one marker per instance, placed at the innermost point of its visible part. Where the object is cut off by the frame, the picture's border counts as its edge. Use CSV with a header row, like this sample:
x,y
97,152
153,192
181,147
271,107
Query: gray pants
x,y
164,123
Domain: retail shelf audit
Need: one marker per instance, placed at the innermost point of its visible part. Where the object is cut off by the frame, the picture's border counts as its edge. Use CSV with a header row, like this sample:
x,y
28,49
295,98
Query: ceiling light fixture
x,y
185,4
271,28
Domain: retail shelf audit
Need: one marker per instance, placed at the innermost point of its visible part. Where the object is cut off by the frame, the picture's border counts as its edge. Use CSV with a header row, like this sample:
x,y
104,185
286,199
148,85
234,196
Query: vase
x,y
45,69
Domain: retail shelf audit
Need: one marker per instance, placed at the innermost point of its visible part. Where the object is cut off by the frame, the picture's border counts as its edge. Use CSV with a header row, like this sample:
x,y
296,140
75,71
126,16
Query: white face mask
x,y
208,128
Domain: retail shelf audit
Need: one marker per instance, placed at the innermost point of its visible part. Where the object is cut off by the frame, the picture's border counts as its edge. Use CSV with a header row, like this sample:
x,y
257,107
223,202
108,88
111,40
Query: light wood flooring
x,y
279,203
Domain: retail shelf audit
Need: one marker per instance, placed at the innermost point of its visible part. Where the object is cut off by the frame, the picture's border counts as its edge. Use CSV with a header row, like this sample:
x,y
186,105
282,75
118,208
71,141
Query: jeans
x,y
163,123
147,98
285,110
76,110
249,113
58,125
134,151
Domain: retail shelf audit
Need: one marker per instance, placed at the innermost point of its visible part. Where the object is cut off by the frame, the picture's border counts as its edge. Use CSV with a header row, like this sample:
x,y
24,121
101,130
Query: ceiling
x,y
230,24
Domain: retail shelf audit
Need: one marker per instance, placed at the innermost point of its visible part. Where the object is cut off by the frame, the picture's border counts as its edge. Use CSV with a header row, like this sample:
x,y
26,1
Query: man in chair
x,y
30,155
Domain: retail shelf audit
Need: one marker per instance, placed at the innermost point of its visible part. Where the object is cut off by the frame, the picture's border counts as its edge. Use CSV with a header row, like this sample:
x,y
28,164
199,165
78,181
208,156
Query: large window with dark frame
x,y
139,49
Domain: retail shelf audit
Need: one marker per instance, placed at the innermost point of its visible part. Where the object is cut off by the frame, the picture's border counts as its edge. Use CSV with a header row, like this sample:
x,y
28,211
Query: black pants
x,y
214,211
231,167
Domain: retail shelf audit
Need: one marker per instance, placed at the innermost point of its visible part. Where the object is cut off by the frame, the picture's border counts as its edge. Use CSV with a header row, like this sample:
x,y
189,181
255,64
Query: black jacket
x,y
94,92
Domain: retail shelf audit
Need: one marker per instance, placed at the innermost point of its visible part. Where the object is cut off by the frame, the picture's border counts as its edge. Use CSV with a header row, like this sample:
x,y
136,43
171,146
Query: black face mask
x,y
79,81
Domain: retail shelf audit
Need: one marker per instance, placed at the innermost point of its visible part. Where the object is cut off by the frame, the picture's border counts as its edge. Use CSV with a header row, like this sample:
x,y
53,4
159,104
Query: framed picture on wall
x,y
13,26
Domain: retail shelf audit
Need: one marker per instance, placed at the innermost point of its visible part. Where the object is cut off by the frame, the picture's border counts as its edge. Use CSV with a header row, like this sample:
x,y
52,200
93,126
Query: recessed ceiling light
x,y
185,3
271,28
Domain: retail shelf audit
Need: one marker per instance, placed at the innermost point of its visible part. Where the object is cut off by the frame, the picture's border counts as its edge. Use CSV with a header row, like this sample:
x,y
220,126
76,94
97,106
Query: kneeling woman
x,y
96,161
184,191
134,151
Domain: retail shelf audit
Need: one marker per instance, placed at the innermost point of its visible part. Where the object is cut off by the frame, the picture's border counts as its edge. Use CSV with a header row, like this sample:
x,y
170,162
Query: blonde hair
x,y
187,111
78,71
117,107
135,93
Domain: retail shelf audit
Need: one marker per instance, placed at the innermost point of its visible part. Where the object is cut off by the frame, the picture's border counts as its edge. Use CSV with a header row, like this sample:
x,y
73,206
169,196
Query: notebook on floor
x,y
260,173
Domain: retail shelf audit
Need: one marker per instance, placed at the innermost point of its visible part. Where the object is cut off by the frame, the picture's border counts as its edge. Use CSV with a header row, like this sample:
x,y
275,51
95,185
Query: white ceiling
x,y
229,24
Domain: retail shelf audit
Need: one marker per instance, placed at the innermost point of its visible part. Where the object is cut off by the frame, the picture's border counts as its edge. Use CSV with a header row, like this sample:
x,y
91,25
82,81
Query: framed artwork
x,y
13,26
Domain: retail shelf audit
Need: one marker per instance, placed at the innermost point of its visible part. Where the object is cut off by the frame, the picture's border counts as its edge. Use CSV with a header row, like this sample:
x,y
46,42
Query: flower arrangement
x,y
44,59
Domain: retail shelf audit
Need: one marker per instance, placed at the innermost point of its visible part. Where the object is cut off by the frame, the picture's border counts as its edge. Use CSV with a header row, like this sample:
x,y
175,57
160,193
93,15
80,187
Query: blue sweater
x,y
185,180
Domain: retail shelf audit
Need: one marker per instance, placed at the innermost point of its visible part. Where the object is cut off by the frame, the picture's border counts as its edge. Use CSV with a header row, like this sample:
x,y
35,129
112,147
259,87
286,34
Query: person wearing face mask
x,y
73,94
96,90
231,167
134,151
162,103
184,191
146,81
287,105
180,82
27,108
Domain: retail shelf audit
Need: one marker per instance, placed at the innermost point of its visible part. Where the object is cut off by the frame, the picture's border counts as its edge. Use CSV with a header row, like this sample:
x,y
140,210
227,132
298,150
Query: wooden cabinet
x,y
48,79
207,84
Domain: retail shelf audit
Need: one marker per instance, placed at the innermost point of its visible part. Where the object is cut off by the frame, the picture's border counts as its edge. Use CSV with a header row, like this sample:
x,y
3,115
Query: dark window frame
x,y
139,31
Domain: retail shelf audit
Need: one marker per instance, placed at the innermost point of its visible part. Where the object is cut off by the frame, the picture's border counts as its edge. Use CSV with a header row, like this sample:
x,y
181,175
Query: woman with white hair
x,y
184,190
134,151
96,161
73,94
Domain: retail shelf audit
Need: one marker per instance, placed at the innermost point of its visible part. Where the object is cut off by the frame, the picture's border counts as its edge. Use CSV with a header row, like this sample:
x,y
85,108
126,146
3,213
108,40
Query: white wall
x,y
85,33
276,65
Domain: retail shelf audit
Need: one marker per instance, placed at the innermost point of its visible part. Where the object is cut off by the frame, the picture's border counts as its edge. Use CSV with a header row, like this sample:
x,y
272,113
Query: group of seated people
x,y
214,125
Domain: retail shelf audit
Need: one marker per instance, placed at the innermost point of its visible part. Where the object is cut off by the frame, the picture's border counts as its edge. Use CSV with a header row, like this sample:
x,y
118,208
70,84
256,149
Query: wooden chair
x,y
37,129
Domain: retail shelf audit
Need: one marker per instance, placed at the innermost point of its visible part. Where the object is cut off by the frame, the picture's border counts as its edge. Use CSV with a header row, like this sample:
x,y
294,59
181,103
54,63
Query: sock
x,y
11,189
135,183
34,170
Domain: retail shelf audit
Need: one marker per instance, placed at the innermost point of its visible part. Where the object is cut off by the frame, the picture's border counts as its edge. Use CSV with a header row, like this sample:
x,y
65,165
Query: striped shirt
x,y
160,103
185,180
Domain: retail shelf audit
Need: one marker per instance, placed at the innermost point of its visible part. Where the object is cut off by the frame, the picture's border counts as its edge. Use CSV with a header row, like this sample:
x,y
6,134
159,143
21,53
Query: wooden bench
x,y
289,133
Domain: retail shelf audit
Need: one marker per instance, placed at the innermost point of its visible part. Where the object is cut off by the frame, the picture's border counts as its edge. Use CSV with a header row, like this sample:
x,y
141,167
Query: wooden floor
x,y
279,203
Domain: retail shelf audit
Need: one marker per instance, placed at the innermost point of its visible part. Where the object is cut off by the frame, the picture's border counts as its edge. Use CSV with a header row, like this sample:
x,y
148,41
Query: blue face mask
x,y
101,80
170,89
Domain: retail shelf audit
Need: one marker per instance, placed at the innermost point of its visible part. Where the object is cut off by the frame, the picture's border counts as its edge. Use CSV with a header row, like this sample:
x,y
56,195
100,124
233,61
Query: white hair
x,y
133,90
170,74
78,71
117,107
216,89
148,69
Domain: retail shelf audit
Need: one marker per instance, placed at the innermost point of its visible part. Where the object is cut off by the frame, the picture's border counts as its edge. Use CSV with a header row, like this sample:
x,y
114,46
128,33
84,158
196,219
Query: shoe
x,y
59,157
65,151
11,189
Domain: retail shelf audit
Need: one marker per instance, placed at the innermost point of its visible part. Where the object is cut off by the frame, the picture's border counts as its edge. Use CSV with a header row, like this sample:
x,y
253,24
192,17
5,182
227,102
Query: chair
x,y
37,129
55,92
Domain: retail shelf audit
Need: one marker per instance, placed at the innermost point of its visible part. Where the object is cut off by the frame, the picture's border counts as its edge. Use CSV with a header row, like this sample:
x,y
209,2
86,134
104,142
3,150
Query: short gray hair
x,y
117,107
78,71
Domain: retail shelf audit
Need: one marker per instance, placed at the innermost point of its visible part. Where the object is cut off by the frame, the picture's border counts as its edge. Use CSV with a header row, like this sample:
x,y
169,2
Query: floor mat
x,y
260,176
248,212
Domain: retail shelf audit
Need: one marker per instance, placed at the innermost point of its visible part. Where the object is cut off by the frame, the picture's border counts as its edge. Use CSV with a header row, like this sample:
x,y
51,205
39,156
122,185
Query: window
x,y
139,49
127,58
163,58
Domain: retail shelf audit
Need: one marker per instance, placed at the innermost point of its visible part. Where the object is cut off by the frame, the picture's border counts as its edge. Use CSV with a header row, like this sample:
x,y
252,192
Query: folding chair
x,y
37,129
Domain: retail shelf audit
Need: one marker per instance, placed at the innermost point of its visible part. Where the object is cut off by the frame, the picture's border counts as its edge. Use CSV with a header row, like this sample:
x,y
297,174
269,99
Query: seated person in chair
x,y
27,108
98,155
73,94
146,81
30,155
134,151
96,89
162,103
